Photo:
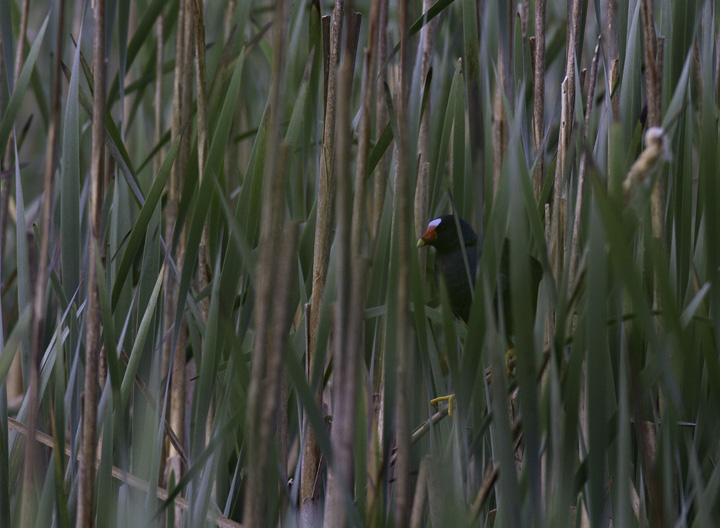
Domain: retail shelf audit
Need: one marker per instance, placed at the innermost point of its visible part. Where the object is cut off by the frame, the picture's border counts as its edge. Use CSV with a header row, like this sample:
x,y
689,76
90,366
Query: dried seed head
x,y
657,147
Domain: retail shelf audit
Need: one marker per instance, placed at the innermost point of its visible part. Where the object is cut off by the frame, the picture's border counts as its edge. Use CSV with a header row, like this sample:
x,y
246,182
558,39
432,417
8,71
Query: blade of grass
x,y
18,94
206,191
139,230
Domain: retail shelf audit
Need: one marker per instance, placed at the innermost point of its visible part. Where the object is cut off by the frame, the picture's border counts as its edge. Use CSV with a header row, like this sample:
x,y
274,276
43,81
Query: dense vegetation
x,y
210,285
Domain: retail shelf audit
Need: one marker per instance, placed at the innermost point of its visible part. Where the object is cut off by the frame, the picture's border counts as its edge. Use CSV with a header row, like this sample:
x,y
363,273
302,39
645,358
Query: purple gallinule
x,y
445,235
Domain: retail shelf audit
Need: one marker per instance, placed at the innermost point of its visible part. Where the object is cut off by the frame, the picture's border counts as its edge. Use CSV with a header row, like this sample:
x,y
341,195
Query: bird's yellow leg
x,y
510,362
450,398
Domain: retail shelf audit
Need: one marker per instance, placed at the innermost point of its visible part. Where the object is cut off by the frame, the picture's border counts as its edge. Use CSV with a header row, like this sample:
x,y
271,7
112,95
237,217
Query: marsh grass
x,y
258,227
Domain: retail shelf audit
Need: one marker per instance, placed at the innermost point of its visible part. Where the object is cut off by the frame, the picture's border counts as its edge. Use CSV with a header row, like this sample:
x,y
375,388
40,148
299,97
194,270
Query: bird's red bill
x,y
430,235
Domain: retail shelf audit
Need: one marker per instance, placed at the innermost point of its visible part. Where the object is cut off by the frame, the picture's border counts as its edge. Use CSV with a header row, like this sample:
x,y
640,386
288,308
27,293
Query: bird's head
x,y
442,234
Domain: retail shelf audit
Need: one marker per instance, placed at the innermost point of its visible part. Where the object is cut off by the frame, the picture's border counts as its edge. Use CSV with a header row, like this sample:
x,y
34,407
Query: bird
x,y
443,234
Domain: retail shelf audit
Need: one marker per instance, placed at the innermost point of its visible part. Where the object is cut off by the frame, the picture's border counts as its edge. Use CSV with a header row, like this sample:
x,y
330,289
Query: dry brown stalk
x,y
201,83
278,251
354,20
31,455
381,119
178,380
228,18
376,206
326,21
402,226
539,93
574,255
345,342
421,493
653,82
173,194
15,375
557,227
2,68
566,126
272,311
613,53
352,287
92,341
181,98
422,187
422,203
488,483
717,67
572,62
652,75
364,130
204,265
499,124
158,132
323,241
